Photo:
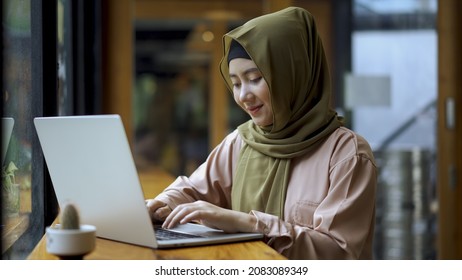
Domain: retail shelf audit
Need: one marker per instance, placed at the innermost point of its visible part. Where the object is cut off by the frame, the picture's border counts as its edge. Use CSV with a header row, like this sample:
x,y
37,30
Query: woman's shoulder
x,y
230,146
347,136
344,143
233,139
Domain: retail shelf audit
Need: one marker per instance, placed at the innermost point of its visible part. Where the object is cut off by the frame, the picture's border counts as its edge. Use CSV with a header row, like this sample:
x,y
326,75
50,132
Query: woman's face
x,y
251,91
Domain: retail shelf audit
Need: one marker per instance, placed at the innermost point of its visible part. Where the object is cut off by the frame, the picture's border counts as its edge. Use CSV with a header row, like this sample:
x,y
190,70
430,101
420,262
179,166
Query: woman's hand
x,y
157,210
211,216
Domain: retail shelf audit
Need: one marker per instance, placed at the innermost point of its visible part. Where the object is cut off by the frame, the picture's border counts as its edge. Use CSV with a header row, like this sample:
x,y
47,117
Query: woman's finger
x,y
157,209
161,213
176,215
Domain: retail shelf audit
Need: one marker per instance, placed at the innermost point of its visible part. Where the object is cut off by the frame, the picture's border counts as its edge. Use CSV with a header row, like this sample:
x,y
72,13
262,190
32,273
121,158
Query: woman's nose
x,y
245,93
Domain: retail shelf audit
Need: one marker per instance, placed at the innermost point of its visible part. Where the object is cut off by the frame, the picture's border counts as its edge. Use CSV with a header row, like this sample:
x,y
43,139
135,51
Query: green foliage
x,y
8,176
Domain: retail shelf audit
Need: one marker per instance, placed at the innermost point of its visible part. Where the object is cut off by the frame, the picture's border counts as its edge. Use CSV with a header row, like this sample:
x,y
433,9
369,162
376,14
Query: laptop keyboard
x,y
165,234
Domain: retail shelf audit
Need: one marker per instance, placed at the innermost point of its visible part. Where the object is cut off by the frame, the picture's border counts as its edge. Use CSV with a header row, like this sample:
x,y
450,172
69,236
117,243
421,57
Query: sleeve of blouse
x,y
342,223
211,181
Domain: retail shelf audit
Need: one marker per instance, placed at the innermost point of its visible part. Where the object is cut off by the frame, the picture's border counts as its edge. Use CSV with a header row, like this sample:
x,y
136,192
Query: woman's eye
x,y
236,85
256,80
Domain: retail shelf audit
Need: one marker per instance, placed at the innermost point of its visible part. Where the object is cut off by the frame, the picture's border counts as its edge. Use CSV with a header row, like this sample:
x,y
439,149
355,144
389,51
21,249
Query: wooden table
x,y
14,228
154,181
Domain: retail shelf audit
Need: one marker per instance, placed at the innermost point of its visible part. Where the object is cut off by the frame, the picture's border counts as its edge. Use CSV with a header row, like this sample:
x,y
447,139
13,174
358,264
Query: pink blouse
x,y
330,204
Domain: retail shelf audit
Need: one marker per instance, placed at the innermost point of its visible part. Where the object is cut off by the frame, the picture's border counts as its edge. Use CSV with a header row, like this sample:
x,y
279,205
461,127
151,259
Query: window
x,y
392,92
51,66
22,214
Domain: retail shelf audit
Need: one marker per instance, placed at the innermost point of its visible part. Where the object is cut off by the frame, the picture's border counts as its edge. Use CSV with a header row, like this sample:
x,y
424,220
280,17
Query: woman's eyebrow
x,y
247,71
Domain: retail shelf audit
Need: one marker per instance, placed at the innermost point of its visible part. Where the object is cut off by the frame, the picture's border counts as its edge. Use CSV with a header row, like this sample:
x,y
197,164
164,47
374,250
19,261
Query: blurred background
x,y
394,66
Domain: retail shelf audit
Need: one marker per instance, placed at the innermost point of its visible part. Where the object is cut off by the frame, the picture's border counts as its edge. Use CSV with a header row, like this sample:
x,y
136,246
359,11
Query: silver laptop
x,y
91,165
7,130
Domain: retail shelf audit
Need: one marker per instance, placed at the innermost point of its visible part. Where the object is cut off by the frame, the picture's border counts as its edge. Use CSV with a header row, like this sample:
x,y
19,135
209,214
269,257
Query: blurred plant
x,y
8,176
10,190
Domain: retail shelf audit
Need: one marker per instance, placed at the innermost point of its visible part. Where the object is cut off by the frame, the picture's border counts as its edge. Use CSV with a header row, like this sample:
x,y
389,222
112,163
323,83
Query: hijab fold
x,y
288,51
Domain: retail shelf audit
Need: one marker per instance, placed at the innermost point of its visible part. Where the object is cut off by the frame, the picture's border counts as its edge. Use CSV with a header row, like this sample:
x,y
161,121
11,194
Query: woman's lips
x,y
254,109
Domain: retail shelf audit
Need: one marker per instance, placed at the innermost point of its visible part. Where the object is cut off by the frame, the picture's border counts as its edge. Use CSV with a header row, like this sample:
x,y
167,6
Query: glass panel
x,y
64,49
392,93
17,163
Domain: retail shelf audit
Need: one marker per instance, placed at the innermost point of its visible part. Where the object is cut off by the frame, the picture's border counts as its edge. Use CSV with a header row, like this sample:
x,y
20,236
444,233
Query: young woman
x,y
292,172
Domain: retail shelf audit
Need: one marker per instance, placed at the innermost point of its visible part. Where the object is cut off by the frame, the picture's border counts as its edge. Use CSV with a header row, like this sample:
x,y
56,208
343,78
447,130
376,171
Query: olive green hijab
x,y
287,49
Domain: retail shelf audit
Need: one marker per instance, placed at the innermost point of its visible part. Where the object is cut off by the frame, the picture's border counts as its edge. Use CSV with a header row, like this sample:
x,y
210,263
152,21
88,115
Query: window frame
x,y
83,24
